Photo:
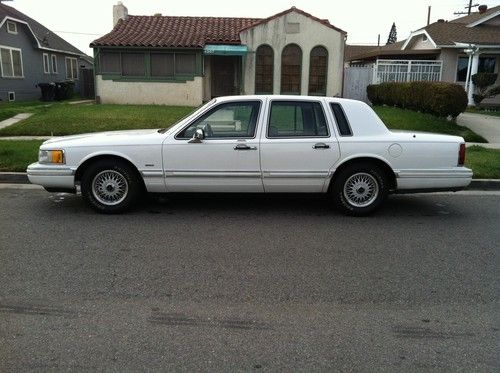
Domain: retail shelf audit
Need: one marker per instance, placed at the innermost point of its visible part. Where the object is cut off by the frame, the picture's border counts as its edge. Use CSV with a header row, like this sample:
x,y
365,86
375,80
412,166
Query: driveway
x,y
249,284
487,126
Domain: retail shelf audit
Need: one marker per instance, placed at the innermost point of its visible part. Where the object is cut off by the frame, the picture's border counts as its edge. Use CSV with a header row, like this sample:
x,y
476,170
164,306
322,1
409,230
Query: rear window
x,y
341,119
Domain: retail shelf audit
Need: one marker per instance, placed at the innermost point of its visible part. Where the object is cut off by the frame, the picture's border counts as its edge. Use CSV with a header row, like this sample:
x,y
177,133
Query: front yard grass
x,y
484,162
401,119
492,112
64,119
16,155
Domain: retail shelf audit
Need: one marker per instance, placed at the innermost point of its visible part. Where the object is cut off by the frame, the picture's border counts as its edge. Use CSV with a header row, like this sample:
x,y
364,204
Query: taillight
x,y
461,155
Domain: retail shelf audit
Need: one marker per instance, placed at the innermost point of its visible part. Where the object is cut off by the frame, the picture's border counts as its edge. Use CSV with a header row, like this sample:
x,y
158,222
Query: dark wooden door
x,y
87,83
224,77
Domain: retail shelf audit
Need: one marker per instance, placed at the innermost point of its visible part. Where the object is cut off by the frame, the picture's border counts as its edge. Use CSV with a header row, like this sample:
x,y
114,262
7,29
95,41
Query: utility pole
x,y
428,15
468,7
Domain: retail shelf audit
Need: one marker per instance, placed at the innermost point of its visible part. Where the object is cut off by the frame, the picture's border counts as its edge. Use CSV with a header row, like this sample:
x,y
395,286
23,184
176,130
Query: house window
x,y
185,64
11,27
486,65
11,62
318,71
54,63
46,65
110,63
162,64
264,69
291,69
133,64
71,68
296,119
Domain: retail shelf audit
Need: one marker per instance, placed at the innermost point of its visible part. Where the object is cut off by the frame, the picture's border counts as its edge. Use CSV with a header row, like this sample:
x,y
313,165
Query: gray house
x,y
31,54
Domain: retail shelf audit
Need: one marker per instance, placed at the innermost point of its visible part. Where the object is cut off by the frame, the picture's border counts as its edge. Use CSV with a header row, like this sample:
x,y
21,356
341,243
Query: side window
x,y
296,119
229,120
341,119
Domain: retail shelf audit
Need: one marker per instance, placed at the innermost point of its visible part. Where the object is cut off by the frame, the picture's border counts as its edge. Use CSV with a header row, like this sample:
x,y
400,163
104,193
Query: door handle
x,y
244,147
321,145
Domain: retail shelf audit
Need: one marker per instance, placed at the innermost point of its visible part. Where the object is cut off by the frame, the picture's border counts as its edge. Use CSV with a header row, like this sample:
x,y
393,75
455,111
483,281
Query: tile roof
x,y
167,31
184,32
45,37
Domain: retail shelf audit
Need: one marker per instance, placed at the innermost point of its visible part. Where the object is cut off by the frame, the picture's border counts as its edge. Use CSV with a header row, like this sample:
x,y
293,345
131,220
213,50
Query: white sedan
x,y
256,144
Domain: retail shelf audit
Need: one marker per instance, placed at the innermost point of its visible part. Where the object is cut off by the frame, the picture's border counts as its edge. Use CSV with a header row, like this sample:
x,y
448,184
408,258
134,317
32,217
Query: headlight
x,y
51,156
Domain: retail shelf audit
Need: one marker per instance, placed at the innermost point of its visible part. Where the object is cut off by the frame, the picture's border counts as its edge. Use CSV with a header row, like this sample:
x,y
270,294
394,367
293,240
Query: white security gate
x,y
407,71
357,78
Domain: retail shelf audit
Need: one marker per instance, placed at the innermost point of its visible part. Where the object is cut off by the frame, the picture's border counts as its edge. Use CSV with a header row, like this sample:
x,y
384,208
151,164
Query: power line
x,y
468,7
78,33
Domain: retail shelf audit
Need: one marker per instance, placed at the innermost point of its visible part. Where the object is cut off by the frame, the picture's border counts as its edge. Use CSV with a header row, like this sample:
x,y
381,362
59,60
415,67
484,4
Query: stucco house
x,y
188,60
30,54
450,51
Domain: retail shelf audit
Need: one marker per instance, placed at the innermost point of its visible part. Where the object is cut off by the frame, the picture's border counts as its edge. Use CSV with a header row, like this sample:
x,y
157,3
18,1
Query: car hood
x,y
129,137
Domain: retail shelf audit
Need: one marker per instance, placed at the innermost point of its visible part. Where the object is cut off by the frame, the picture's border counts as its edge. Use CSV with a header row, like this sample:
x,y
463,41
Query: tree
x,y
483,82
393,35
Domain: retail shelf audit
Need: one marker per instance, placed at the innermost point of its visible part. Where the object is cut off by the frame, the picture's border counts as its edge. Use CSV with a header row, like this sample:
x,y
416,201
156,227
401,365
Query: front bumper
x,y
52,177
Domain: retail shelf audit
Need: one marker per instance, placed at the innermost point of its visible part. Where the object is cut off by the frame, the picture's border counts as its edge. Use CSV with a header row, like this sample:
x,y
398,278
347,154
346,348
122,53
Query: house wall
x,y
311,33
189,93
450,60
32,59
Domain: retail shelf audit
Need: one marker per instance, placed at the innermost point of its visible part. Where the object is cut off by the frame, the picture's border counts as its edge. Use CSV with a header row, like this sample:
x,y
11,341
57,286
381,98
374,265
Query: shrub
x,y
437,98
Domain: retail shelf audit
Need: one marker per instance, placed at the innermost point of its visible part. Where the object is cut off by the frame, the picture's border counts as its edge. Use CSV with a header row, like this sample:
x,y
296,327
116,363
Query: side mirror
x,y
198,135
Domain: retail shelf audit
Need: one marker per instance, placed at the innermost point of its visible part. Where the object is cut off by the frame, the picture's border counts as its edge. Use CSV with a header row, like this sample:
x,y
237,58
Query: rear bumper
x,y
452,179
55,177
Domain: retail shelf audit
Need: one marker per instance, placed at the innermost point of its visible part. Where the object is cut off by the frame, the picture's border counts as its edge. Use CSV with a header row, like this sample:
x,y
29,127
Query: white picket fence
x,y
357,78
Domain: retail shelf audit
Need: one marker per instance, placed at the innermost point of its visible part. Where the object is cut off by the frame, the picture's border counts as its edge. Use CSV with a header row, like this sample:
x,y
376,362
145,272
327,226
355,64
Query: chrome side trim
x,y
50,171
434,174
152,173
249,174
296,174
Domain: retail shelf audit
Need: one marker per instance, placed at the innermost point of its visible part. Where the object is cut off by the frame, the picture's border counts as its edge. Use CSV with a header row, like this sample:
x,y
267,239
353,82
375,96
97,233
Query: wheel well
x,y
388,172
83,167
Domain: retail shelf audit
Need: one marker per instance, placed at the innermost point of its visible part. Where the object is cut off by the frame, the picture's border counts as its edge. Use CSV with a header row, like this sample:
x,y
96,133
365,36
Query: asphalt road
x,y
259,284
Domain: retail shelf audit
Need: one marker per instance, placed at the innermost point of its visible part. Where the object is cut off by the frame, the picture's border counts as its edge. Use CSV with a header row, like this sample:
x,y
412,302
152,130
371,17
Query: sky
x,y
81,21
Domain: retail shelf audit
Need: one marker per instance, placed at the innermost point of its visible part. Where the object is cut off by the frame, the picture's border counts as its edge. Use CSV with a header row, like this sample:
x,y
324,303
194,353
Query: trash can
x,y
48,91
64,90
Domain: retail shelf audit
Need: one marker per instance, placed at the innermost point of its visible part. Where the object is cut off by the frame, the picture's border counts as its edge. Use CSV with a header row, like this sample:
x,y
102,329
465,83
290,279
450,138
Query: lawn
x,y
9,109
495,113
17,155
65,119
484,162
401,119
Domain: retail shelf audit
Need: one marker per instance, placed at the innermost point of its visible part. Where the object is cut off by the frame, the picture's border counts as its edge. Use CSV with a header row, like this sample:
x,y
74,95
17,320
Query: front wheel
x,y
110,186
360,189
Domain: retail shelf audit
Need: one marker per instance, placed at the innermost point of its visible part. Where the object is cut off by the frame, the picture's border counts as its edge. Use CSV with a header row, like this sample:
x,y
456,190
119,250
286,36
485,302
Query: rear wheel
x,y
110,186
360,189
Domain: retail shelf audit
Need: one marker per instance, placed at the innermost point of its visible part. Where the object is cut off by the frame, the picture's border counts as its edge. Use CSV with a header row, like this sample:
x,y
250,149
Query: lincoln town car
x,y
256,144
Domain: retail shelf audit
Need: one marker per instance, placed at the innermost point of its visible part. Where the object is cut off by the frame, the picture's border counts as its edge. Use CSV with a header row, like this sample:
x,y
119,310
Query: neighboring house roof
x,y
363,52
184,32
46,39
460,30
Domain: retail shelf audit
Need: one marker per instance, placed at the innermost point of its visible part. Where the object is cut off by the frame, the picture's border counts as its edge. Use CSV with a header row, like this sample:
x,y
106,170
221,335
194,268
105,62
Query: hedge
x,y
437,98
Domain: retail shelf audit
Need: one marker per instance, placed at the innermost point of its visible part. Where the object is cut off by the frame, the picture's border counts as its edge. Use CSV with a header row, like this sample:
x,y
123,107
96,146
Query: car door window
x,y
297,119
227,120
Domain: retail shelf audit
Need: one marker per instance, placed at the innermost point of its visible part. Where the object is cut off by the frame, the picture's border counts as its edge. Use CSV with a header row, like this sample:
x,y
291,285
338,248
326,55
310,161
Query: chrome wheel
x,y
109,187
361,189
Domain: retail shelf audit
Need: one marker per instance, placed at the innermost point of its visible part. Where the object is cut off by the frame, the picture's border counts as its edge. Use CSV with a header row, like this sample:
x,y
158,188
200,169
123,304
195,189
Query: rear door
x,y
298,147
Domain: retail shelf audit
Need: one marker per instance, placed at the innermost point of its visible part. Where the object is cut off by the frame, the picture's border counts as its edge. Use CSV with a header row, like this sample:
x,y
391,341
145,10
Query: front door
x,y
298,149
225,76
227,158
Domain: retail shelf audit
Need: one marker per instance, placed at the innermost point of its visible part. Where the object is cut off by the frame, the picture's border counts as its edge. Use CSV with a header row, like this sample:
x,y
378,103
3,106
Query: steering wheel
x,y
208,130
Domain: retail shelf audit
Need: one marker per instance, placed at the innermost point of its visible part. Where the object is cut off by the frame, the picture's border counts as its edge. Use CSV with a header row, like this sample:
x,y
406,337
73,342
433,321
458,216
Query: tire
x,y
110,186
360,189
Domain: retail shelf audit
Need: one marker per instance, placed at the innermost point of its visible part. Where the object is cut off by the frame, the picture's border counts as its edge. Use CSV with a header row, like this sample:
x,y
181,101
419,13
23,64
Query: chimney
x,y
120,11
440,20
482,8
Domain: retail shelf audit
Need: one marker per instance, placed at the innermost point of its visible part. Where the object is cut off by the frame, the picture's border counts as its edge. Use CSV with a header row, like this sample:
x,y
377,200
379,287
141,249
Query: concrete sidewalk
x,y
14,119
487,126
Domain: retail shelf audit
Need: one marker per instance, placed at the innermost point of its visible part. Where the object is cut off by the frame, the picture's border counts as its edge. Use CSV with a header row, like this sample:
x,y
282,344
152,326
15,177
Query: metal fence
x,y
407,71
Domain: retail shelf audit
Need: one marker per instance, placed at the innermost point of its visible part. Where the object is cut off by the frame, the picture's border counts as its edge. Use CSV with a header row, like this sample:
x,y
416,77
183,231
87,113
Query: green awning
x,y
225,50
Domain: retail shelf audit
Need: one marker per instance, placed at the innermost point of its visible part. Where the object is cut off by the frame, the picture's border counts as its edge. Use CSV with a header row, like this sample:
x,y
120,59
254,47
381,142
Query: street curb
x,y
476,184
